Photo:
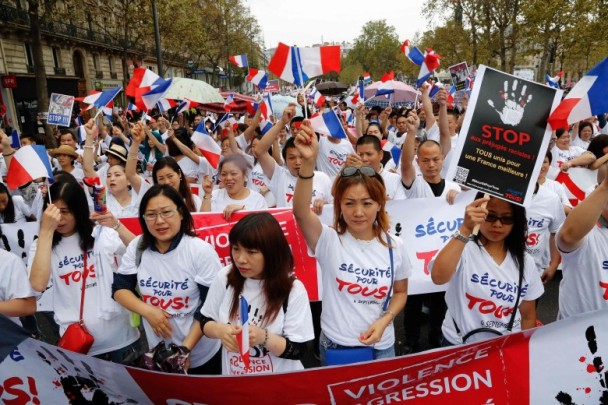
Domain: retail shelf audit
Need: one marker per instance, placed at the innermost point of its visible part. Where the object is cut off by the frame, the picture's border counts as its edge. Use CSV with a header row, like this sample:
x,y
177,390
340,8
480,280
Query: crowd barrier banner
x,y
558,363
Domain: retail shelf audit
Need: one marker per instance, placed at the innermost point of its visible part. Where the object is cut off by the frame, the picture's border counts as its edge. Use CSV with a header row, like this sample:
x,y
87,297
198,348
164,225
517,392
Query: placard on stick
x,y
60,109
459,73
503,133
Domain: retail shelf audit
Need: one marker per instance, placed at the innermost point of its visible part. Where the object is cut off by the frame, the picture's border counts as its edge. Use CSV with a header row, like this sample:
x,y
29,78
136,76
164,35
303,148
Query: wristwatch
x,y
464,239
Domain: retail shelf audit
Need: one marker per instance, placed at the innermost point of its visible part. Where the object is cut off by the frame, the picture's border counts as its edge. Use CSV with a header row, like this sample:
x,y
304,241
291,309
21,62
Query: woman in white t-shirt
x,y
364,270
563,151
13,208
166,170
173,270
488,277
233,195
71,254
280,321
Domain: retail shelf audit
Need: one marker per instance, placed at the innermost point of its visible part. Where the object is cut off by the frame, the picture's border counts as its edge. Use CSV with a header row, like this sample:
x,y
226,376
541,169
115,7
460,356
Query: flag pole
x,y
48,190
299,66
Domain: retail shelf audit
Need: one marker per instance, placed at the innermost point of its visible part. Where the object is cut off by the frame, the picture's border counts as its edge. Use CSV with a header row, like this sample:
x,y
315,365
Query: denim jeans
x,y
325,343
125,355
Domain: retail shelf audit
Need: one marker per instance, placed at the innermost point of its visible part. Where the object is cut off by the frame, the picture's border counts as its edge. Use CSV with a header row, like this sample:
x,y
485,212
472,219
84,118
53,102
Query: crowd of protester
x,y
174,280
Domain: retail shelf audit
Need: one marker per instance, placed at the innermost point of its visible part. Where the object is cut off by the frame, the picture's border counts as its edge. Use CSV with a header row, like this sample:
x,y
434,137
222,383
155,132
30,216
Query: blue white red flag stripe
x,y
329,124
394,150
152,97
142,77
367,78
15,141
586,99
29,162
239,60
243,337
387,86
207,145
258,77
296,65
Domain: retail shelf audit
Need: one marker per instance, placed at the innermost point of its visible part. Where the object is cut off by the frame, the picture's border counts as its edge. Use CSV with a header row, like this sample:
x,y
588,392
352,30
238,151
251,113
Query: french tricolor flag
x,y
554,81
329,124
394,150
387,86
239,60
165,104
205,143
266,106
431,62
586,99
29,162
296,65
318,98
258,77
185,106
142,77
15,140
367,78
243,337
229,103
150,98
413,54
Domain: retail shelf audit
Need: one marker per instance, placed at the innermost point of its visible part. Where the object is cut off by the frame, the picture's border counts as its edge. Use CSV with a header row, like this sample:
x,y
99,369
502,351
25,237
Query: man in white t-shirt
x,y
583,243
283,179
332,154
370,153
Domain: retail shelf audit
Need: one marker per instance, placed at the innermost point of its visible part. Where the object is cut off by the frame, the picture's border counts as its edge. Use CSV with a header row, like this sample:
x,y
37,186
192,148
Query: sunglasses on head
x,y
349,171
503,220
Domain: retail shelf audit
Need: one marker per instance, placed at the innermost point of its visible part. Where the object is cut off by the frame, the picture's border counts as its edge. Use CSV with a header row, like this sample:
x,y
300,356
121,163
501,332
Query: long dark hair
x,y
515,241
261,231
184,189
187,225
72,194
8,215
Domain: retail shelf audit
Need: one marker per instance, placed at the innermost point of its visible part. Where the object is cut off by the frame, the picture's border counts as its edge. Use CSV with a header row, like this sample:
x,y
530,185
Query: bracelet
x,y
391,313
306,177
265,337
206,197
115,227
88,147
9,154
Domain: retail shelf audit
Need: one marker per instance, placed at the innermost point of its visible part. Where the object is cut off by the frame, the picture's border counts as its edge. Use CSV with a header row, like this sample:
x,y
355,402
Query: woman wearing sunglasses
x,y
490,275
173,269
364,269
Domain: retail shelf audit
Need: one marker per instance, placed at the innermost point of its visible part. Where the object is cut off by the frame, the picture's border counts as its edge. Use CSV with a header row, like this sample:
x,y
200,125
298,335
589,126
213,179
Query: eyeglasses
x,y
503,220
349,171
151,216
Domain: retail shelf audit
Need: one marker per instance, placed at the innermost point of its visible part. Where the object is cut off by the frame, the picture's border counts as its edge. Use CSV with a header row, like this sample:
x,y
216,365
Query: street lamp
x,y
159,57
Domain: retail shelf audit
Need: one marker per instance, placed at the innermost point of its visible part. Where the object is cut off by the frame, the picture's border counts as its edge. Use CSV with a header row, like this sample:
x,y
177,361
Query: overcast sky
x,y
306,22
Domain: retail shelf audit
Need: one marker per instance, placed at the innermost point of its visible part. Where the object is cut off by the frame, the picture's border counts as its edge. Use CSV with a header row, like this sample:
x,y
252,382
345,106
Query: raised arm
x,y
249,133
307,144
445,138
158,145
427,106
138,136
359,119
261,149
41,265
88,156
584,216
448,257
408,172
189,153
7,149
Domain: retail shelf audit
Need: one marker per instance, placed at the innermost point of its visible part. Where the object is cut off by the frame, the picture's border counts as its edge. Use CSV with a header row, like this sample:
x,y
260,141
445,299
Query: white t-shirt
x,y
562,156
169,282
130,210
66,275
559,189
584,286
258,180
545,215
332,156
220,200
283,185
295,323
356,281
419,189
481,293
14,282
396,138
189,168
392,184
22,210
578,142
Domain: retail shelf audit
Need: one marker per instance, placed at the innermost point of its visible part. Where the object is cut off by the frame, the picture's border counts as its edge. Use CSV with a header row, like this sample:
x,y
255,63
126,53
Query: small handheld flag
x,y
15,141
239,60
258,77
29,162
243,337
205,143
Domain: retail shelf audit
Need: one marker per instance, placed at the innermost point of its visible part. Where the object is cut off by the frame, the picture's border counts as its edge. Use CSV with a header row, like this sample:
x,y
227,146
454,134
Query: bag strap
x,y
515,308
390,290
85,273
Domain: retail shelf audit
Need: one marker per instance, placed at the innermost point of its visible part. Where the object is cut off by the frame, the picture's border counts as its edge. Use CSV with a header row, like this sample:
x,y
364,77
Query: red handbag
x,y
76,337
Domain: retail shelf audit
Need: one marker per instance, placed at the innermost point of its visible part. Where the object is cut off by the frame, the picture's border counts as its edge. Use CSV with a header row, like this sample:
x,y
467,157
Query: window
x,y
96,63
111,63
56,58
29,58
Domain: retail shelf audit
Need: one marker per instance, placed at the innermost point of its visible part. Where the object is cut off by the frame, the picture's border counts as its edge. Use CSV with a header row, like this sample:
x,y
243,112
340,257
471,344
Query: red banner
x,y
557,363
213,228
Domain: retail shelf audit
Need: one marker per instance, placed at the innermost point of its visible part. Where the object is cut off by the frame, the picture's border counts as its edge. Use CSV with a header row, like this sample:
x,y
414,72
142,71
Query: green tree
x,y
376,50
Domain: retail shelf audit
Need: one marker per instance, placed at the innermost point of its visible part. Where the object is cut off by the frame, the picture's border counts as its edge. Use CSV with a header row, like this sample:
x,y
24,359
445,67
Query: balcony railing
x,y
60,71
